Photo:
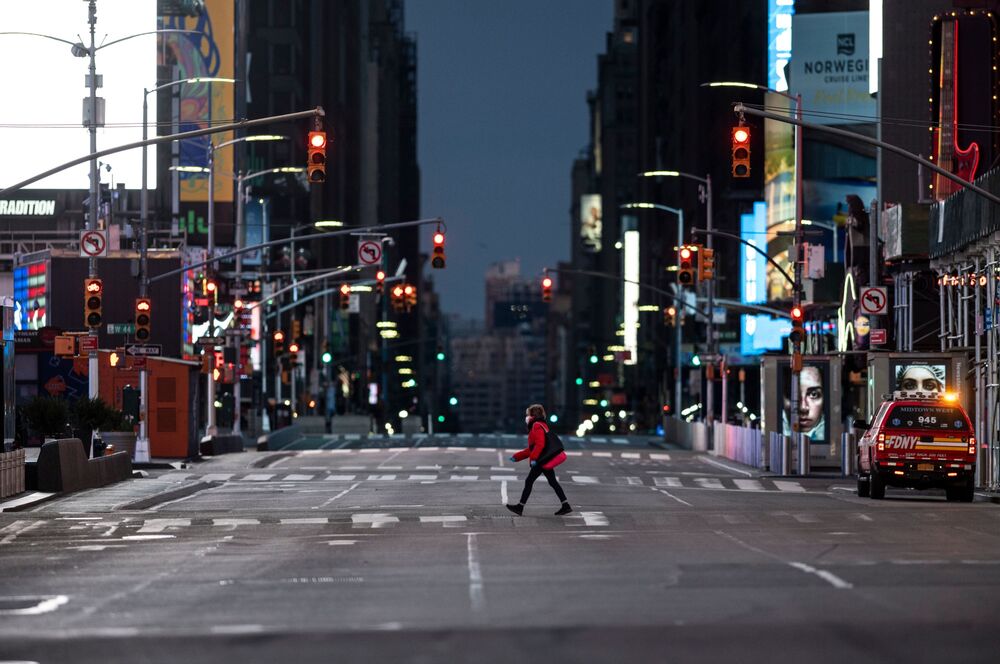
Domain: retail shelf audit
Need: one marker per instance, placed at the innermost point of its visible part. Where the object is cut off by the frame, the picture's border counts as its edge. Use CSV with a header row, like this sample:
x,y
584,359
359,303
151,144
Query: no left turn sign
x,y
369,252
93,244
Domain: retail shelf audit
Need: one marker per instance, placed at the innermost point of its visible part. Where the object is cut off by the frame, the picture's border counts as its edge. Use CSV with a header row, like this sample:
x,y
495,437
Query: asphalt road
x,y
407,554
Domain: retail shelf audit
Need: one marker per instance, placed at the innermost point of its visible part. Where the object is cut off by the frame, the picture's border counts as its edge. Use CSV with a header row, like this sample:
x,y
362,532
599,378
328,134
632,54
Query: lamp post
x,y
680,291
706,182
142,441
802,441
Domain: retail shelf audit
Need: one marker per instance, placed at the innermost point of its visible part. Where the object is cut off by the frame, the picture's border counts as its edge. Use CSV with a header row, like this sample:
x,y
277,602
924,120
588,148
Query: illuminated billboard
x,y
630,300
31,296
44,88
779,41
591,221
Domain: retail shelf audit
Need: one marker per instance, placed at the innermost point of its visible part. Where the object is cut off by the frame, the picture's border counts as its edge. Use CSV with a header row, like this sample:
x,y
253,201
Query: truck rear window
x,y
947,418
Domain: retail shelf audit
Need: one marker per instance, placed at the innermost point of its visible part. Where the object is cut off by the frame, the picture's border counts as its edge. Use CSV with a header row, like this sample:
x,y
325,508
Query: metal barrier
x,y
740,444
780,453
11,473
849,448
688,435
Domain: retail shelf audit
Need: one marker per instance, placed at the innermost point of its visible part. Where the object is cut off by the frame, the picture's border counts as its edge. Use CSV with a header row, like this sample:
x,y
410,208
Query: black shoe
x,y
516,509
565,509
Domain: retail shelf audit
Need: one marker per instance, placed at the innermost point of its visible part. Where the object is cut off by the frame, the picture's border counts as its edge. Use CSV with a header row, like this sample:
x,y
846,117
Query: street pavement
x,y
404,552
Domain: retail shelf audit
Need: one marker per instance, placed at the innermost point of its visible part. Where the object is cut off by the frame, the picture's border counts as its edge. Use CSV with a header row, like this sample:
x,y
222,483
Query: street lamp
x,y
797,257
680,289
706,182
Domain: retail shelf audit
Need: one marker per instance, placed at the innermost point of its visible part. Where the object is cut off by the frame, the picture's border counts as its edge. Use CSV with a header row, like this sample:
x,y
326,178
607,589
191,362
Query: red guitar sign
x,y
947,154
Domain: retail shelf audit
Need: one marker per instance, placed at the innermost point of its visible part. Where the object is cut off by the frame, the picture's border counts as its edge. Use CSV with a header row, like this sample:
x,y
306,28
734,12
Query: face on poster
x,y
813,405
922,376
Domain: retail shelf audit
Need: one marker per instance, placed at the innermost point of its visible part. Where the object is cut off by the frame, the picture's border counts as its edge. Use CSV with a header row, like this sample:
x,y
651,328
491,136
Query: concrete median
x,y
62,467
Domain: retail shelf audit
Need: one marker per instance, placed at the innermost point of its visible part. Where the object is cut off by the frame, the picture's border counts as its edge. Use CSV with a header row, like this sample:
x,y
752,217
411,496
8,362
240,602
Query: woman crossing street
x,y
545,452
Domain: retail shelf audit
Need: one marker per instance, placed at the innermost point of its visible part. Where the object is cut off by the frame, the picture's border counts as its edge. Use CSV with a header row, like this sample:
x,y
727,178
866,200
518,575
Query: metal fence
x,y
740,444
689,435
11,473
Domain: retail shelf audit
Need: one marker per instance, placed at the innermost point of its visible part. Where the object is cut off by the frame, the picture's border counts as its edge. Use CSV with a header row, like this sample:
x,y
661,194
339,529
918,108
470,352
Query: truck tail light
x,y
972,445
881,442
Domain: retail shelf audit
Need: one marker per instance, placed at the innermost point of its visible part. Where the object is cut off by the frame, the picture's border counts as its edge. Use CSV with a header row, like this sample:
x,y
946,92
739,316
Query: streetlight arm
x,y
151,32
702,231
242,124
313,296
612,277
303,282
739,107
38,34
673,174
752,86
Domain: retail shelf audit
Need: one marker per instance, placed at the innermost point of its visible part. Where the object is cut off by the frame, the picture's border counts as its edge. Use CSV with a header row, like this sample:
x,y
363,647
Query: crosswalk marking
x,y
502,478
630,455
602,454
786,485
340,478
177,477
217,477
748,485
385,478
444,520
659,457
584,479
298,478
422,478
633,481
258,477
232,524
465,478
378,520
159,525
668,482
709,482
594,519
305,521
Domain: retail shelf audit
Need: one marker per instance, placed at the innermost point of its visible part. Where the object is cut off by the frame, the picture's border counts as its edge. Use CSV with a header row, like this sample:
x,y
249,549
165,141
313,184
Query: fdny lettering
x,y
901,442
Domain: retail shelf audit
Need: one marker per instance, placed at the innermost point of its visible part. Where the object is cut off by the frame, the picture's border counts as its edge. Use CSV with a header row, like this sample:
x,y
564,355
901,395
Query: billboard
x,y
813,404
591,221
779,41
829,67
31,296
630,295
925,376
44,88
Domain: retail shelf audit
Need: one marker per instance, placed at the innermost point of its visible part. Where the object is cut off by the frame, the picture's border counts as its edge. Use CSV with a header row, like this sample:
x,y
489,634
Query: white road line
x,y
476,598
829,577
709,483
619,441
421,478
601,454
258,477
236,629
159,525
384,478
860,517
464,478
217,477
340,478
585,479
176,477
298,478
659,457
430,449
786,485
442,519
749,485
502,478
378,520
594,519
503,493
352,467
305,521
599,440
573,454
725,466
342,493
371,450
44,605
670,495
633,481
17,528
499,458
434,467
630,455
674,482
232,524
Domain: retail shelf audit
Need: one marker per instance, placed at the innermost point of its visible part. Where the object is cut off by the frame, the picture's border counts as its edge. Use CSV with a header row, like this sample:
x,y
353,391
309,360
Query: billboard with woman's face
x,y
813,402
912,376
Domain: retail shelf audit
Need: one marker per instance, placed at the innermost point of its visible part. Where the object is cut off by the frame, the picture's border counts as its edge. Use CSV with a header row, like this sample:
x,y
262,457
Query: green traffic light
x,y
604,403
453,401
440,418
579,381
327,358
593,359
440,357
696,361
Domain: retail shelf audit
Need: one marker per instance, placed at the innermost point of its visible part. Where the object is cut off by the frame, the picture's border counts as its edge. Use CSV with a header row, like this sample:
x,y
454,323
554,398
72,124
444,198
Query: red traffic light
x,y
408,289
380,276
438,238
666,408
685,253
210,286
142,305
317,139
94,286
797,313
279,336
741,135
741,152
547,282
293,347
397,291
345,289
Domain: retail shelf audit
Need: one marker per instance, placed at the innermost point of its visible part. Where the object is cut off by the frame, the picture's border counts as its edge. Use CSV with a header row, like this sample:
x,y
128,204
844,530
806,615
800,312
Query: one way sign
x,y
146,350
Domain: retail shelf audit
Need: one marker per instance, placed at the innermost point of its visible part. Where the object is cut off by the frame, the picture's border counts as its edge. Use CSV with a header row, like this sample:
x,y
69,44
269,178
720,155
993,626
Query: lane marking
x,y
503,492
670,495
44,605
659,457
786,485
476,598
159,525
630,455
258,477
749,485
304,521
446,519
500,458
860,517
672,482
236,629
232,524
594,519
19,527
298,478
342,493
340,478
709,482
585,479
464,478
376,520
601,454
827,576
620,441
724,466
422,478
381,477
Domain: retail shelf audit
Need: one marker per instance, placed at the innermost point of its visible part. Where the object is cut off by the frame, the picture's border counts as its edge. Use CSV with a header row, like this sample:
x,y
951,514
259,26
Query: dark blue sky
x,y
502,86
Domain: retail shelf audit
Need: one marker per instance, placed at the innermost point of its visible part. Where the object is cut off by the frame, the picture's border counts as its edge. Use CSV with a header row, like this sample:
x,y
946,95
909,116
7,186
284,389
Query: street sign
x,y
121,328
369,252
139,362
65,346
148,350
93,243
874,301
210,341
877,336
88,344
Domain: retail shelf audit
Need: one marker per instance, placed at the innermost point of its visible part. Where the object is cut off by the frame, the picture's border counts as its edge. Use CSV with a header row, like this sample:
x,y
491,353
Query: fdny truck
x,y
920,440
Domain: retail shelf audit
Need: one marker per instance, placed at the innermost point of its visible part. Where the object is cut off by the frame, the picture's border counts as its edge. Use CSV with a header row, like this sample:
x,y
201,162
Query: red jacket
x,y
536,443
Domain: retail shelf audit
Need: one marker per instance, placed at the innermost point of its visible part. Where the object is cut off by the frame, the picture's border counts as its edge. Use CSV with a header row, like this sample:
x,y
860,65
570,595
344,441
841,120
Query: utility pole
x,y
211,429
91,119
710,327
796,364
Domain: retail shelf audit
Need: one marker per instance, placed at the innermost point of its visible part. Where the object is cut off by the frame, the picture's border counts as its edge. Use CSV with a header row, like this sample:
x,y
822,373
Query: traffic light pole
x,y
211,428
93,363
710,327
794,415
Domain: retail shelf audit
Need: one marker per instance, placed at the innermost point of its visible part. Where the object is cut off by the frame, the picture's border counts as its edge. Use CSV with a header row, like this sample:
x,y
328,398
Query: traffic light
x,y
93,302
741,152
410,293
706,264
293,352
666,409
397,298
143,310
279,342
379,281
437,258
798,334
210,289
670,316
316,157
546,289
440,354
296,329
345,297
685,270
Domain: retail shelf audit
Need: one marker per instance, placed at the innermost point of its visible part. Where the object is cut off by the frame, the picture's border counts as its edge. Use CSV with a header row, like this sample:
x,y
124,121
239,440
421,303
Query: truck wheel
x,y
967,493
951,494
864,485
876,486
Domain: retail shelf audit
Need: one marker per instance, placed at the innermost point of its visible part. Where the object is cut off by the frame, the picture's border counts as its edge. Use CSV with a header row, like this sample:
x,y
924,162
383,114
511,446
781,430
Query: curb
x,y
30,499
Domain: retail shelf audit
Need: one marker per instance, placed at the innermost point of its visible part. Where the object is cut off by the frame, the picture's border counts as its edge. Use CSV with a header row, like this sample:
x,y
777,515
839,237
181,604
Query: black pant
x,y
550,475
